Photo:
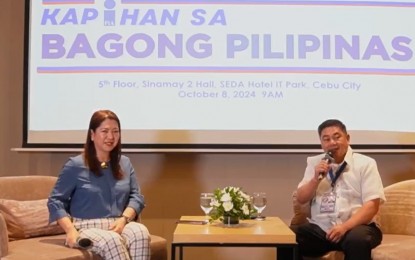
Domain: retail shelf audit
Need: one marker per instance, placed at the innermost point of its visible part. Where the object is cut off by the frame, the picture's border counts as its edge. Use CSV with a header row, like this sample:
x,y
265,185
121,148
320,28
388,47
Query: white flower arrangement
x,y
231,201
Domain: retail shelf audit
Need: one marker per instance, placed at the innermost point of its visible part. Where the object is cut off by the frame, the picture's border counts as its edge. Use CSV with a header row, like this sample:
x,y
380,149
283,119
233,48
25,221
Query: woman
x,y
97,197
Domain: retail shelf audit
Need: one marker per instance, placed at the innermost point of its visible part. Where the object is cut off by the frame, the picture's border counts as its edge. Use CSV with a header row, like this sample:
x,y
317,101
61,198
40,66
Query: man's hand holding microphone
x,y
324,166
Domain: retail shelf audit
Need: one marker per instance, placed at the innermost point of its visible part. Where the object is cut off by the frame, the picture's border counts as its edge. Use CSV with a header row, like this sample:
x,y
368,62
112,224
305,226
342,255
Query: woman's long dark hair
x,y
90,154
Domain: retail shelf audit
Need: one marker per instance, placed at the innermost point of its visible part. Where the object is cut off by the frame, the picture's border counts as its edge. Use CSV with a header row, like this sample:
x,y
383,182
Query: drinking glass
x,y
259,200
206,203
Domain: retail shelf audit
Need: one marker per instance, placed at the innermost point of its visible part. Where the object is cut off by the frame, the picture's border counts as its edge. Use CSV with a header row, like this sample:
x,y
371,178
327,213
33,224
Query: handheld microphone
x,y
84,242
327,158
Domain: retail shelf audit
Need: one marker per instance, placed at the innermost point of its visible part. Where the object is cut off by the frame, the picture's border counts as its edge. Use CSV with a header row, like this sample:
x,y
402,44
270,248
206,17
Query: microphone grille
x,y
329,156
84,242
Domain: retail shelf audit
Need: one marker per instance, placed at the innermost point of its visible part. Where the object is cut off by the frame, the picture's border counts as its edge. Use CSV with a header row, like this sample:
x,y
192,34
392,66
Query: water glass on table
x,y
259,200
206,203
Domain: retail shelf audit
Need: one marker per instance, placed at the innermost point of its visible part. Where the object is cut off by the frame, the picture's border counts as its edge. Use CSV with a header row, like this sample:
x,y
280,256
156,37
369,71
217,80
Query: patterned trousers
x,y
132,244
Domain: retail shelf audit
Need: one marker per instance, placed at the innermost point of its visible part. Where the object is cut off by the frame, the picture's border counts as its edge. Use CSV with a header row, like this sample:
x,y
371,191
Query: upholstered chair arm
x,y
4,238
397,214
301,211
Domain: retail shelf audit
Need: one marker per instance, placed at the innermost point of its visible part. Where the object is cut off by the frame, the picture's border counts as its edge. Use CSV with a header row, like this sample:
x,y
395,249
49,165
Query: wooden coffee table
x,y
271,232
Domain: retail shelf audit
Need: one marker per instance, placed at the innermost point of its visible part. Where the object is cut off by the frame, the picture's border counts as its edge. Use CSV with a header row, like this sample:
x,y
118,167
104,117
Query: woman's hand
x,y
118,225
71,238
71,233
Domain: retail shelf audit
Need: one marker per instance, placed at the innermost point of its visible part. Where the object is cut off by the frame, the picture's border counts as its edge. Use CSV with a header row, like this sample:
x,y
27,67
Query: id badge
x,y
328,202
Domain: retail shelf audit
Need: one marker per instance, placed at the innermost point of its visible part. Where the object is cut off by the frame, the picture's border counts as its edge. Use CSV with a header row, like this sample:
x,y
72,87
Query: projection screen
x,y
220,74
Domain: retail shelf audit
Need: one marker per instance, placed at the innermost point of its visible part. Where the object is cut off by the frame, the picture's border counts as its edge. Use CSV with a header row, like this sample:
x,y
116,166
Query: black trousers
x,y
357,243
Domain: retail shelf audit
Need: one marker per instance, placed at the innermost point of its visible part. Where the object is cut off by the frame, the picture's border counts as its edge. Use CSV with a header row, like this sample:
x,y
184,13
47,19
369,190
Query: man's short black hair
x,y
329,123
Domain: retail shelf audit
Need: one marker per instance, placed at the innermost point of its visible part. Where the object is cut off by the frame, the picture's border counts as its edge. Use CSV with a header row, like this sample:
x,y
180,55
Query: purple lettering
x,y
236,43
400,44
268,53
290,46
89,14
47,16
175,48
375,47
80,45
133,17
218,18
115,49
206,48
70,17
149,17
52,46
198,17
307,43
146,50
255,46
326,47
342,45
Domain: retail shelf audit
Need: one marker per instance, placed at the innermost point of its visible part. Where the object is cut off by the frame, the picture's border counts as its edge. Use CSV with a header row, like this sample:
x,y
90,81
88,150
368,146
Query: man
x,y
344,190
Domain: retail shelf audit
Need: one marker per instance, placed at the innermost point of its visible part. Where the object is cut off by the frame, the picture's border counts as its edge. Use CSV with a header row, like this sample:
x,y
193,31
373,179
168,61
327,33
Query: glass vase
x,y
230,220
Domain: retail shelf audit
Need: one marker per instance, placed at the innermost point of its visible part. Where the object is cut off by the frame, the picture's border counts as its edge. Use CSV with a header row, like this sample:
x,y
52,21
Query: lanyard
x,y
338,173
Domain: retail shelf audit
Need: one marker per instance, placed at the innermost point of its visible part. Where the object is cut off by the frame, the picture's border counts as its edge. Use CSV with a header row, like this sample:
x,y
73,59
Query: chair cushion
x,y
301,211
26,219
332,255
46,248
158,248
4,240
397,215
395,247
52,247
